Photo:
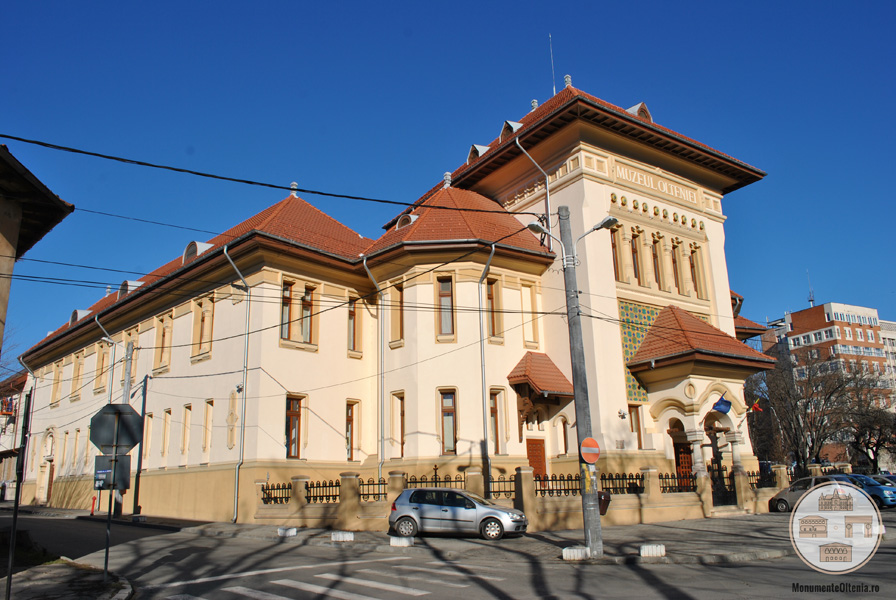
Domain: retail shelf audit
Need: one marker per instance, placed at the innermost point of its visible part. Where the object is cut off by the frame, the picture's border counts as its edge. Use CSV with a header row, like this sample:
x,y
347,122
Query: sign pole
x,y
20,476
111,497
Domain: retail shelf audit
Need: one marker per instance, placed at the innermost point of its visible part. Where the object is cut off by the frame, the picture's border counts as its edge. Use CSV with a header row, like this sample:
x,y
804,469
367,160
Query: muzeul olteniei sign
x,y
654,183
835,528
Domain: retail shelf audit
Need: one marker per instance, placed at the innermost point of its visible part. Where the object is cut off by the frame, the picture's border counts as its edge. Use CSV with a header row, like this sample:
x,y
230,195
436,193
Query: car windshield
x,y
865,480
480,499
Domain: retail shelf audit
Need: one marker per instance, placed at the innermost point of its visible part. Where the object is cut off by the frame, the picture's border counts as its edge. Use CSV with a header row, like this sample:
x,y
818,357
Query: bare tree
x,y
872,431
812,400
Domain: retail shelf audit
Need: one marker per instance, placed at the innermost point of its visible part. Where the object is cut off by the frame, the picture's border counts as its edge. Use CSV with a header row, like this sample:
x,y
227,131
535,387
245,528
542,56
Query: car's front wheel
x,y
491,529
406,527
782,506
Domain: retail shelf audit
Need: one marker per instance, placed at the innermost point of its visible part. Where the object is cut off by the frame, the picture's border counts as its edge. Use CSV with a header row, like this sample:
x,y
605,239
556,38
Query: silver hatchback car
x,y
451,510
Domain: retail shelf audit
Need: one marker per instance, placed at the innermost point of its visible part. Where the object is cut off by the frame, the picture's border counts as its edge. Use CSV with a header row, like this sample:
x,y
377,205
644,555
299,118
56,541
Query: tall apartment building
x,y
845,335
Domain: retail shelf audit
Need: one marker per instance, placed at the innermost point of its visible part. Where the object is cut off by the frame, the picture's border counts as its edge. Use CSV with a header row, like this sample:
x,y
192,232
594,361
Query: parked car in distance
x,y
787,498
883,496
449,510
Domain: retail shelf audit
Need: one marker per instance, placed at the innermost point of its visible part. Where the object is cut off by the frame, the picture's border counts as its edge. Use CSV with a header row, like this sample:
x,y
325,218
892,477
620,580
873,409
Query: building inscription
x,y
654,183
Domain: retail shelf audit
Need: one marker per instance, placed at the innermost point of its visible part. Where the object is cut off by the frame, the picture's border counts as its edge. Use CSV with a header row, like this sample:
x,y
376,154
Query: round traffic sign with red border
x,y
590,450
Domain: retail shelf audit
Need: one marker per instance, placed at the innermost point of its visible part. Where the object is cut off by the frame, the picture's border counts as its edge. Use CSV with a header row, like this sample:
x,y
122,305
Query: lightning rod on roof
x,y
294,186
553,79
811,293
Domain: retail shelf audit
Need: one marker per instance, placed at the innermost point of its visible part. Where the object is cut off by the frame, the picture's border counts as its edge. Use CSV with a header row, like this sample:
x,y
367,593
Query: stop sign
x,y
130,429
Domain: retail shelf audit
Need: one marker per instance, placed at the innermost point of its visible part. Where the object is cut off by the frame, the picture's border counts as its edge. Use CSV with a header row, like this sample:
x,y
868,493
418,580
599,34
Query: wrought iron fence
x,y
622,483
671,483
322,492
277,493
761,480
435,481
557,485
372,490
502,487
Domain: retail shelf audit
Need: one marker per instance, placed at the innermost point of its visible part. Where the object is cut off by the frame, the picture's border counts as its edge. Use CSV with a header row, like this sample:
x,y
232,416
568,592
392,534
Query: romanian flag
x,y
755,407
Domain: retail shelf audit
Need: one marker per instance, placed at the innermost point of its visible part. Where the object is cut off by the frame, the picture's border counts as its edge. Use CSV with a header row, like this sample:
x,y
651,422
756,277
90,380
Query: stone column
x,y
704,485
843,467
349,501
782,479
397,480
667,265
815,470
741,482
652,491
299,499
474,481
259,483
525,495
625,256
684,270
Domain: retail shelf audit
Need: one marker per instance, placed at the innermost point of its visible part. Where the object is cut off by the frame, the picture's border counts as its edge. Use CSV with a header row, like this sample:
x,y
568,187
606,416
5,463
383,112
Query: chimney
x,y
447,179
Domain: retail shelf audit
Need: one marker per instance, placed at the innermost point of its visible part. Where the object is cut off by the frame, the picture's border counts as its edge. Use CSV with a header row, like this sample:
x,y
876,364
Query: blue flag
x,y
722,405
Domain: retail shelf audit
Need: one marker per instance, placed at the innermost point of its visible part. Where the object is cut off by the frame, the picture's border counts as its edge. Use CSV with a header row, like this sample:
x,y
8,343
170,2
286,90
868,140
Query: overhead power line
x,y
141,163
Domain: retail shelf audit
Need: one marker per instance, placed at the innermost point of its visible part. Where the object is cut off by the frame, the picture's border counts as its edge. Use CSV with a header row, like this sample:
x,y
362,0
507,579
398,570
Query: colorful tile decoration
x,y
634,321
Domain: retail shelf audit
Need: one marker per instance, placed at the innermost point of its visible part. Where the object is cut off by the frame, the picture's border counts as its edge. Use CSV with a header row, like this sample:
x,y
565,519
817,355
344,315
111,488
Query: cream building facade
x,y
290,344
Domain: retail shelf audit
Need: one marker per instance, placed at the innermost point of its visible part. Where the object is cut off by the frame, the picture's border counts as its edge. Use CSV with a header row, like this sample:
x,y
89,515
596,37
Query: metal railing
x,y
762,480
278,493
502,487
622,483
671,483
435,481
322,492
557,485
372,490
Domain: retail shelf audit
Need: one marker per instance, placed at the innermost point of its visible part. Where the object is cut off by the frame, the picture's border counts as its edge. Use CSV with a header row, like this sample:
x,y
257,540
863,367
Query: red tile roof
x,y
434,225
744,323
676,332
540,372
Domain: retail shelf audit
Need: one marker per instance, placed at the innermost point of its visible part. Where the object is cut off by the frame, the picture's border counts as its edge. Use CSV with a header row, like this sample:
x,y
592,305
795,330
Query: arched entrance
x,y
684,458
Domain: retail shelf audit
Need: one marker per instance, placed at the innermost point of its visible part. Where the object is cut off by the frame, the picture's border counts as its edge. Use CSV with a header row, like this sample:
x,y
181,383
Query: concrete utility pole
x,y
588,480
125,399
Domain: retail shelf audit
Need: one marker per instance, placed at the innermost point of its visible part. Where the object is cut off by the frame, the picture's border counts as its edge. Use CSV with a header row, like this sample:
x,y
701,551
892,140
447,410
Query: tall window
x,y
57,382
694,260
163,341
166,431
676,271
493,307
203,313
399,290
102,365
307,314
493,419
530,328
614,247
77,367
147,435
399,410
449,422
286,311
207,427
636,258
350,431
564,424
188,421
446,306
634,420
656,254
293,425
353,325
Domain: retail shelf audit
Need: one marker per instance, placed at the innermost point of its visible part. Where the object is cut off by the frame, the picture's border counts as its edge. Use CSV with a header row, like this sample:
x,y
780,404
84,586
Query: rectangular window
x,y
827,316
636,259
293,425
188,420
614,248
353,342
807,339
860,336
166,431
307,314
350,431
399,409
656,254
848,332
493,308
164,326
64,451
530,326
828,334
817,336
399,292
77,368
634,420
102,365
446,306
286,312
870,336
676,271
203,315
493,419
147,435
75,448
57,383
207,425
449,422
697,272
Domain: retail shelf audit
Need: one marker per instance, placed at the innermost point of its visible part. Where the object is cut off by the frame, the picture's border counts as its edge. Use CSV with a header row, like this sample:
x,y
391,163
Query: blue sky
x,y
379,99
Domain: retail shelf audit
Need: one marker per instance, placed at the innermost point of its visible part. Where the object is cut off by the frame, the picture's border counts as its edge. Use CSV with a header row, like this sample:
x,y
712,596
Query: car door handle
x,y
415,507
444,510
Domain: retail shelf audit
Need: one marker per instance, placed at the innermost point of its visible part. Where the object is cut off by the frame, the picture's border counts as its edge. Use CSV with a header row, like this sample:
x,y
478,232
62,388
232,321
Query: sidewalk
x,y
734,539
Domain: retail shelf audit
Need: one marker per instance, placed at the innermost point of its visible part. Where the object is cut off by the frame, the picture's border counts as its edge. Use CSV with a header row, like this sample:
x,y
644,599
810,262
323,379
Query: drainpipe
x,y
486,463
236,473
108,338
381,361
547,195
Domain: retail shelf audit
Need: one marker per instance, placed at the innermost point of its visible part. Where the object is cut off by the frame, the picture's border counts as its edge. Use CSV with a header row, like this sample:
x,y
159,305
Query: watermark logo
x,y
835,528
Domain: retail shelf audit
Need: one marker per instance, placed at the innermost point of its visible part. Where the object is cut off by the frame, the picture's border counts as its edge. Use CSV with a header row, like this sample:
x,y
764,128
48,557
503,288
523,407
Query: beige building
x,y
440,347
